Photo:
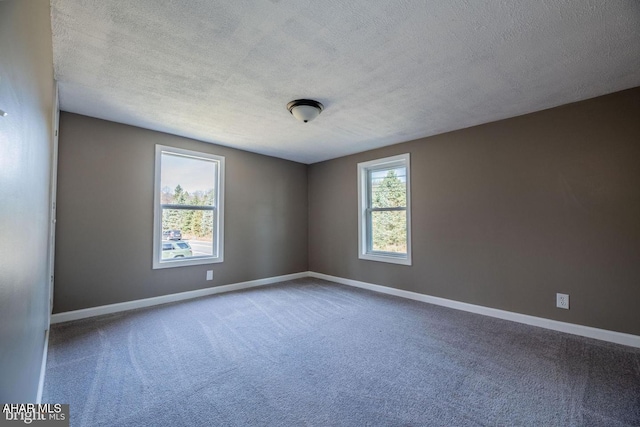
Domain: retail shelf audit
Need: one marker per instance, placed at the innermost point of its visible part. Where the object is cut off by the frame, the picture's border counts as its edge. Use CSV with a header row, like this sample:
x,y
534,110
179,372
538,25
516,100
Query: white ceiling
x,y
386,71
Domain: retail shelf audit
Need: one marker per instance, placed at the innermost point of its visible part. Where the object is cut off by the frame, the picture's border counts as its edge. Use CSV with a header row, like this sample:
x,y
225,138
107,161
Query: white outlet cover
x,y
562,301
209,274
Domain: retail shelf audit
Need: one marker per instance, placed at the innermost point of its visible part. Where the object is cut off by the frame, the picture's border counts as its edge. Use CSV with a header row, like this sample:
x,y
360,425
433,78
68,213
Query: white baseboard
x,y
43,367
585,331
148,302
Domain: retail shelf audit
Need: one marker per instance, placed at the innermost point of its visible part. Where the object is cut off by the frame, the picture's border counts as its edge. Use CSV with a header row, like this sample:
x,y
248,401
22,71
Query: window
x,y
188,216
384,220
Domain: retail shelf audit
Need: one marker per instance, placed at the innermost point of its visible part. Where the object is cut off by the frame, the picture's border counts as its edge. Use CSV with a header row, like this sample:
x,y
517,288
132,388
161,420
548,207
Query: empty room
x,y
299,213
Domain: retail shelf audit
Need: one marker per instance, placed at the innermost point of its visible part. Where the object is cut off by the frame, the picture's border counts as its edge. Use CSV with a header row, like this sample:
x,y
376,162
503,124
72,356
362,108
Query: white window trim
x,y
363,168
158,262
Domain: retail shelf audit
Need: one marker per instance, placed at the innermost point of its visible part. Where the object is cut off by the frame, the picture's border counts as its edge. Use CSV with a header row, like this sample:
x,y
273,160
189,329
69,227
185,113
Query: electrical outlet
x,y
562,301
209,274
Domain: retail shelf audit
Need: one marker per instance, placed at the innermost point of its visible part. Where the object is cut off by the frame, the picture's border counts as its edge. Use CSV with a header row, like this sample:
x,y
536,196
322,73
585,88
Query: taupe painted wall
x,y
105,216
26,94
504,215
509,213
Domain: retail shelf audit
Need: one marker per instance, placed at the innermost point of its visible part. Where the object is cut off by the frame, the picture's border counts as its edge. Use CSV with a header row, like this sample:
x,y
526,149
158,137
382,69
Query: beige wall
x,y
508,213
105,216
27,95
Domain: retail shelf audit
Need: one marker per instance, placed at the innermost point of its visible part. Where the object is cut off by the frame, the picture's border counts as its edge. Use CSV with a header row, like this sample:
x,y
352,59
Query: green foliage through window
x,y
192,223
388,211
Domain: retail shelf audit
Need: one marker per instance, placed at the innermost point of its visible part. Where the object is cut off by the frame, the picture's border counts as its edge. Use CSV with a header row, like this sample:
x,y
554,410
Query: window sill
x,y
177,262
405,260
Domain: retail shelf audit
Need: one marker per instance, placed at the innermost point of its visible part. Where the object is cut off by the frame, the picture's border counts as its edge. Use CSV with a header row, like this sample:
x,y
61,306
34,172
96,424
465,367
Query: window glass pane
x,y
388,188
187,180
195,227
389,231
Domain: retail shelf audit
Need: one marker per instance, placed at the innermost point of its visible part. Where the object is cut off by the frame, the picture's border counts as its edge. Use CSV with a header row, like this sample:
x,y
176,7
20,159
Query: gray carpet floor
x,y
314,353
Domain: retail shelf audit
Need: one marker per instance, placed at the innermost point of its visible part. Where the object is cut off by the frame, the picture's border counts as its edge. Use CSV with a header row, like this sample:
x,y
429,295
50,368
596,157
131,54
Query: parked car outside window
x,y
171,249
172,235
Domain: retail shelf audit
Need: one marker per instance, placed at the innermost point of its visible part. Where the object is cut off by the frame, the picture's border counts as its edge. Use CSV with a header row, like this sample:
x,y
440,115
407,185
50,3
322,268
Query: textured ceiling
x,y
386,71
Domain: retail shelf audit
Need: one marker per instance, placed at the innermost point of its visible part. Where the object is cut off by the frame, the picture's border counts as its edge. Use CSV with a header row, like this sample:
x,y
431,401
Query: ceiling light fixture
x,y
305,110
3,113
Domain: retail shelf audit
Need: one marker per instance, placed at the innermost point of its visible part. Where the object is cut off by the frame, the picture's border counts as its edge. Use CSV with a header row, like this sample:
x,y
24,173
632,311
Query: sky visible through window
x,y
379,175
190,173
